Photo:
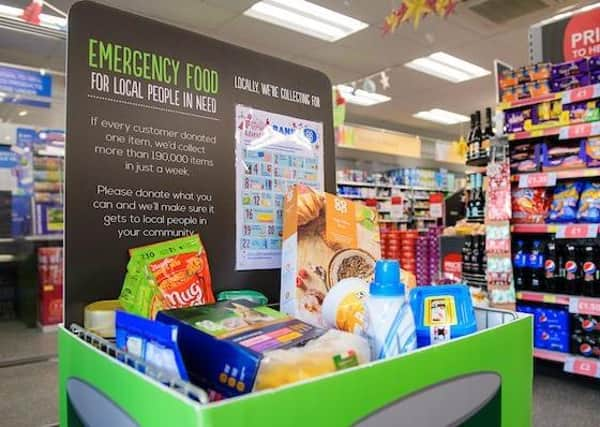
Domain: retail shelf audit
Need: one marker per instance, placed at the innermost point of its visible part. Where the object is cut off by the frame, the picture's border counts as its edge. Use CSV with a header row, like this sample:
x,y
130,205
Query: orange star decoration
x,y
415,9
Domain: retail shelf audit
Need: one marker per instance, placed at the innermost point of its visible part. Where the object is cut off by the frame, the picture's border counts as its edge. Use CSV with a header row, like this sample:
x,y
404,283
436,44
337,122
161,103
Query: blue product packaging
x,y
550,319
564,203
589,203
442,312
552,340
152,341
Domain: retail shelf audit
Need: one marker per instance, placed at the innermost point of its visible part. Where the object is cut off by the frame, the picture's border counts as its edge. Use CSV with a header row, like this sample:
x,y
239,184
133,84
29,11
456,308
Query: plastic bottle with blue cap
x,y
390,321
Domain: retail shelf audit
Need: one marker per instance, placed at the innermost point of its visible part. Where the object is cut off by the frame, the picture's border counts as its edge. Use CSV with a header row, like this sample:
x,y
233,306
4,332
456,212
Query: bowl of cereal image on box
x,y
350,263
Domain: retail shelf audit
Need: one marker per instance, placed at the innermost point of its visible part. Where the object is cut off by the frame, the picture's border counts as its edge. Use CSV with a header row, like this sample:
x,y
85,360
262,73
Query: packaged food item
x,y
442,313
325,239
509,79
235,347
570,82
344,305
581,111
247,294
154,342
595,77
563,156
564,202
530,205
168,274
538,88
592,151
99,317
569,68
514,120
589,203
594,63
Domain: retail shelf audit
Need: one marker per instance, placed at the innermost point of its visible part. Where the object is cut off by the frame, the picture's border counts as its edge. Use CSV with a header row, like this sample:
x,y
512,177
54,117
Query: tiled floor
x,y
558,400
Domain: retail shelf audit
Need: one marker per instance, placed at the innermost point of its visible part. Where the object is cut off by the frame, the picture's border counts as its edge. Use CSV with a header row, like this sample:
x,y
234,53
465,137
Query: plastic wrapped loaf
x,y
330,352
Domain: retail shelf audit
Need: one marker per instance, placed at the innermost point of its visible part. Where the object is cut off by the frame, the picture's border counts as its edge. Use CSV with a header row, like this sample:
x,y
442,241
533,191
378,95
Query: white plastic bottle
x,y
390,321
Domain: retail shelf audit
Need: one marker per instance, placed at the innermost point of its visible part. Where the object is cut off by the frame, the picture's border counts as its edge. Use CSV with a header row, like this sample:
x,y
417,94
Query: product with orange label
x,y
166,275
235,347
325,239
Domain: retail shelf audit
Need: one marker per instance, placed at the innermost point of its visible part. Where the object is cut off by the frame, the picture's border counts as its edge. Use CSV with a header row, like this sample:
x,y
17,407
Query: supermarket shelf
x,y
523,178
363,184
6,239
6,258
563,231
579,130
572,364
577,304
529,101
393,221
44,237
351,196
480,162
425,218
533,134
554,356
581,94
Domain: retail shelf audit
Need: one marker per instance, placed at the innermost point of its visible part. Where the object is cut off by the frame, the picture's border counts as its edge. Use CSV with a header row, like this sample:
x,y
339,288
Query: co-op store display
x,y
362,307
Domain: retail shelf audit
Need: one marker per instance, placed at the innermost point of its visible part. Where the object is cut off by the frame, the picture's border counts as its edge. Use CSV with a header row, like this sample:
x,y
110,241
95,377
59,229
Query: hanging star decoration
x,y
384,80
414,11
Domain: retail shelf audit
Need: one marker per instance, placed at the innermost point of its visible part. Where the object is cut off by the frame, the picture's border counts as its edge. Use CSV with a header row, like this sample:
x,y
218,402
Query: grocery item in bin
x,y
564,202
154,342
442,313
530,205
168,274
235,347
99,317
344,305
247,294
589,203
390,321
325,239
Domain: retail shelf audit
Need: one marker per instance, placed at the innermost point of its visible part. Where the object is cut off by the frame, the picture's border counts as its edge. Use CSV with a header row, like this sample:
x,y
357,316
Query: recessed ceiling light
x,y
307,18
23,113
361,97
447,67
441,116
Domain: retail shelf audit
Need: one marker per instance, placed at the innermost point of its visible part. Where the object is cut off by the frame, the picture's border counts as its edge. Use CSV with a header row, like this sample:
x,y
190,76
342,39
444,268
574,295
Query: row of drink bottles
x,y
560,266
474,259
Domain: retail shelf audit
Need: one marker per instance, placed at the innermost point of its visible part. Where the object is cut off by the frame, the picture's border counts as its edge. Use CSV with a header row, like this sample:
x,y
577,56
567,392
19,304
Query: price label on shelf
x,y
581,94
532,180
582,366
580,130
585,306
436,201
577,231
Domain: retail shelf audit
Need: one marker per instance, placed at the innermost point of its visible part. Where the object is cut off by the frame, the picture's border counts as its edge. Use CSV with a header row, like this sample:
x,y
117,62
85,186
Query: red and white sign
x,y
581,366
582,35
581,94
452,266
532,180
397,207
585,306
577,231
436,202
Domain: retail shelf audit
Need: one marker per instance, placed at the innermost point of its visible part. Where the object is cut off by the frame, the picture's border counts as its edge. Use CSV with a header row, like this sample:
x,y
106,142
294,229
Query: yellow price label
x,y
550,298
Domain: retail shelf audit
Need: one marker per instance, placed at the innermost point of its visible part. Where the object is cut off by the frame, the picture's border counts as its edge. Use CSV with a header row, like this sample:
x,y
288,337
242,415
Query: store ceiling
x,y
465,34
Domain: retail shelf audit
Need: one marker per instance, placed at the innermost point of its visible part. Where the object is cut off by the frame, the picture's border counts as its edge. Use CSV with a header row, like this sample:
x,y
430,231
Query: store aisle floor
x,y
558,400
20,342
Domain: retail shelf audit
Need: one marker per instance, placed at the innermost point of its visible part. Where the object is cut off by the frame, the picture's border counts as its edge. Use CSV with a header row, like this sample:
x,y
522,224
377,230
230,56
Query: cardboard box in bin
x,y
325,239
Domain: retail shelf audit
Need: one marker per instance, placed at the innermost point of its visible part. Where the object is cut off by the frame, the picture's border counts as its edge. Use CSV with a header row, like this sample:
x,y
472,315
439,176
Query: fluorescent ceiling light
x,y
23,113
441,116
447,67
306,18
361,97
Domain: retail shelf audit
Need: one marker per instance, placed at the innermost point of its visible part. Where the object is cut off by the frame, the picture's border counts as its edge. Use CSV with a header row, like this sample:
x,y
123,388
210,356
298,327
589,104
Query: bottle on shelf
x,y
488,133
535,263
470,139
590,276
552,261
477,136
483,255
479,203
466,255
570,270
520,266
476,256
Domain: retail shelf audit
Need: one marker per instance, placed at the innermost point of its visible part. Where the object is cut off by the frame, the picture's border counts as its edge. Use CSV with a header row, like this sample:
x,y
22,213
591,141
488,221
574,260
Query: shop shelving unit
x,y
576,304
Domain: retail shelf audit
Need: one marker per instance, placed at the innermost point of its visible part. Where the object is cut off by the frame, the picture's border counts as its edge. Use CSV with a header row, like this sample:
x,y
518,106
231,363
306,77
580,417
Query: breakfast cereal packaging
x,y
325,239
171,274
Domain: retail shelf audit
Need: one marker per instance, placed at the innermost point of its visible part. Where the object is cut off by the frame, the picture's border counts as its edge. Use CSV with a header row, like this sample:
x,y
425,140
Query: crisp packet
x,y
529,205
564,204
170,274
589,203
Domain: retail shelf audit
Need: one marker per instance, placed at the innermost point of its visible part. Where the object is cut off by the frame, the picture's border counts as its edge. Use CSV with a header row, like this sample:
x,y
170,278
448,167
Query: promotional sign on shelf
x,y
436,205
573,37
576,231
151,116
532,180
397,207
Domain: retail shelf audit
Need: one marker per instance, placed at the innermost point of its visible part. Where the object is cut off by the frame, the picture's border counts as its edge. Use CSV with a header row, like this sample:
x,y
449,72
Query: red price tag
x,y
581,94
585,367
577,231
580,130
585,306
532,180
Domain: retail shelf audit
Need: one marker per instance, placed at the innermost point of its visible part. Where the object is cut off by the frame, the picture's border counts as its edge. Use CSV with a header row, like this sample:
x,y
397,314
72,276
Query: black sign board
x,y
150,152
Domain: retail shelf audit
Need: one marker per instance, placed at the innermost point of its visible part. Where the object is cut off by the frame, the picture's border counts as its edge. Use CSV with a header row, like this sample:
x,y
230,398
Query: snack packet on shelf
x,y
530,205
170,274
589,203
564,203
